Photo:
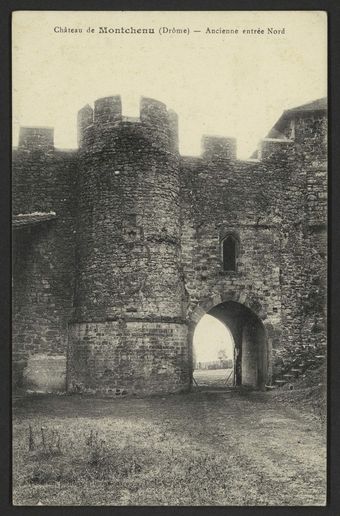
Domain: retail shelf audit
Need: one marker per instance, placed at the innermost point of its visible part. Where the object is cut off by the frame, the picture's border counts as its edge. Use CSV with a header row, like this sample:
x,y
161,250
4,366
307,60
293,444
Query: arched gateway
x,y
245,321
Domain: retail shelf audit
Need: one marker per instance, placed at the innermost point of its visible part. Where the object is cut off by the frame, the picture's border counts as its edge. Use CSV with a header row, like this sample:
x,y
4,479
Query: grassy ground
x,y
214,377
203,448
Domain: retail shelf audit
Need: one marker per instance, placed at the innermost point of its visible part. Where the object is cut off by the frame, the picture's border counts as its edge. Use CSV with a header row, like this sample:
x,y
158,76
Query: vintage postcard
x,y
169,194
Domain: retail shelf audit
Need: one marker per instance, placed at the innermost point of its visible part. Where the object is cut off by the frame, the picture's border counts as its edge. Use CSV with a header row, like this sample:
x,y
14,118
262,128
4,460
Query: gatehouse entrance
x,y
213,354
230,351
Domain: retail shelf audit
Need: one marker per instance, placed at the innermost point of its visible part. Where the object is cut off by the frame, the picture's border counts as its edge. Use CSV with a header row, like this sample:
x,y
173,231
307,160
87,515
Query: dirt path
x,y
205,448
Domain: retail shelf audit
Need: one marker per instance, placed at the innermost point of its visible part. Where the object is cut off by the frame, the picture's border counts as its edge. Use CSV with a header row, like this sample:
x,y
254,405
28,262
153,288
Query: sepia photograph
x,y
169,258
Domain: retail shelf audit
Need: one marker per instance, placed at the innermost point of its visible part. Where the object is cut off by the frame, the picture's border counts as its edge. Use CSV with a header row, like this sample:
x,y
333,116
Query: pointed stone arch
x,y
251,331
243,296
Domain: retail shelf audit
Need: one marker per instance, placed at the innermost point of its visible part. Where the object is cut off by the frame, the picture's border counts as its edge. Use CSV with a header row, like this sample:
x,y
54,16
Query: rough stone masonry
x,y
122,245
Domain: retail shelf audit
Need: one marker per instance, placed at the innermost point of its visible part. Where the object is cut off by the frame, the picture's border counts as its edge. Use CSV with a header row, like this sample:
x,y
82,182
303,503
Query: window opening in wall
x,y
229,253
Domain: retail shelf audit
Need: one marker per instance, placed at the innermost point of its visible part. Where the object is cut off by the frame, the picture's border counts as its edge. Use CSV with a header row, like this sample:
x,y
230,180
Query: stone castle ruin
x,y
122,245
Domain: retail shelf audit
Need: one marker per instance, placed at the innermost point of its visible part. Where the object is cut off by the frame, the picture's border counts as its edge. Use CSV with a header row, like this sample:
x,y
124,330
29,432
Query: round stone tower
x,y
128,332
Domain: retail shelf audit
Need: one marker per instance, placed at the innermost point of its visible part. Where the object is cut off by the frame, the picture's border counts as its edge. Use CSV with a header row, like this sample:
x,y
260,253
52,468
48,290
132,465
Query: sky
x,y
220,84
210,337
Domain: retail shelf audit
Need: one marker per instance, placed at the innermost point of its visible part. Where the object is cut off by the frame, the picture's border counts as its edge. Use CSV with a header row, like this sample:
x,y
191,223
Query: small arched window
x,y
230,253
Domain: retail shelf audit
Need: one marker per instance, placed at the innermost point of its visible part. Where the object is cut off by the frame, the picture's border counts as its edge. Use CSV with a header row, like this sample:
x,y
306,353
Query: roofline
x,y
289,113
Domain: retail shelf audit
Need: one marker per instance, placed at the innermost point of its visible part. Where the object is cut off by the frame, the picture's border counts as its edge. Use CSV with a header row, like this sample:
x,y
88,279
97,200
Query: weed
x,y
110,461
97,449
47,442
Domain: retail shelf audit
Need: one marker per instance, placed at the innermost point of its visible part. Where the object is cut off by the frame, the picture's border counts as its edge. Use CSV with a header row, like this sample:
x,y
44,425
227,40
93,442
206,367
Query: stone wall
x,y
137,357
43,262
229,197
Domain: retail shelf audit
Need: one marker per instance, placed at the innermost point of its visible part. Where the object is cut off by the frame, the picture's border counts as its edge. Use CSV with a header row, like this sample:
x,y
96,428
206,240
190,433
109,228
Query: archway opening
x,y
251,359
213,353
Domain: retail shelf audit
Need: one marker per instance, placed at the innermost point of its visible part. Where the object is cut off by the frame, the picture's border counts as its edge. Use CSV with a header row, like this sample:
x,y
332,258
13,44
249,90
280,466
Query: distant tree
x,y
222,355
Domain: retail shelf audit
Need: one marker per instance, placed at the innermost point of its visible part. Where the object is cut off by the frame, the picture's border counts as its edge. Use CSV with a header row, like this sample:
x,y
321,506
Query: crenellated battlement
x,y
217,147
36,138
269,146
103,126
84,120
155,122
107,110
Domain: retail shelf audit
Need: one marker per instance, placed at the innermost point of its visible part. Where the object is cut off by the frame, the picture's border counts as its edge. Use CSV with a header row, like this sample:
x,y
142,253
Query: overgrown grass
x,y
179,451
